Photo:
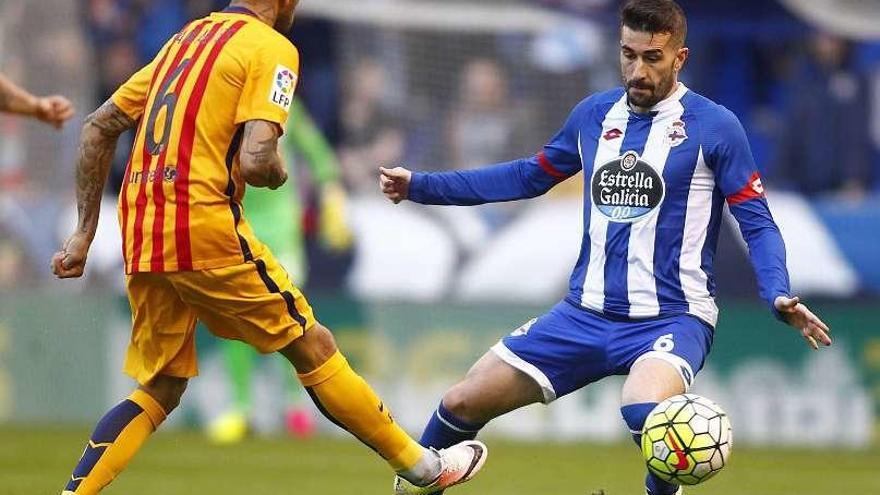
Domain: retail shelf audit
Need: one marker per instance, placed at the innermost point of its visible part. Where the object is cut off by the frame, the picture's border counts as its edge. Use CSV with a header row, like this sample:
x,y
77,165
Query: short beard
x,y
660,92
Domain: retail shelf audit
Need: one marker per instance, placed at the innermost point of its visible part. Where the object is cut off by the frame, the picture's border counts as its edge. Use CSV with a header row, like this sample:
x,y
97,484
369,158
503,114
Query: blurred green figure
x,y
276,217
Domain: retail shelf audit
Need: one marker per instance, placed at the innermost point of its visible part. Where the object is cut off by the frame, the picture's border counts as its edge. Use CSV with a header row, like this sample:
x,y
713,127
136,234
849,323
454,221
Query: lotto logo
x,y
523,330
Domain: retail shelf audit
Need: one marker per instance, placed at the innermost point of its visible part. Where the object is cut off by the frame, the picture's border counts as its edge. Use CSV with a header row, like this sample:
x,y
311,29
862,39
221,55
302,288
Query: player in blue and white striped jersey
x,y
659,163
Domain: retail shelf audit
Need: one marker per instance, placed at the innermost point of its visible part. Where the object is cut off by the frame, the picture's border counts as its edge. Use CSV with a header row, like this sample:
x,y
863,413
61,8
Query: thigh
x,y
254,302
562,350
163,330
491,388
681,342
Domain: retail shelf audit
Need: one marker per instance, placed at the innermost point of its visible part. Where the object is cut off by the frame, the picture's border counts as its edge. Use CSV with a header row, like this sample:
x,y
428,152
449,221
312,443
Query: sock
x,y
635,416
445,430
117,437
349,402
238,358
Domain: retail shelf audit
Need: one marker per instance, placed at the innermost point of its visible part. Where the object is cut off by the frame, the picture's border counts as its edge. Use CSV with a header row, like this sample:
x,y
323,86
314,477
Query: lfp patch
x,y
282,88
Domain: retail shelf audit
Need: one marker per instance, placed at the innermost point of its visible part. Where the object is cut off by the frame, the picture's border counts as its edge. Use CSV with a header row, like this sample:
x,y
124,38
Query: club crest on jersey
x,y
675,134
282,87
627,189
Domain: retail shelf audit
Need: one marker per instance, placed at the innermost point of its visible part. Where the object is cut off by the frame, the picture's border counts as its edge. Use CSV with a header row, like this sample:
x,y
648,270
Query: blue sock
x,y
635,416
445,430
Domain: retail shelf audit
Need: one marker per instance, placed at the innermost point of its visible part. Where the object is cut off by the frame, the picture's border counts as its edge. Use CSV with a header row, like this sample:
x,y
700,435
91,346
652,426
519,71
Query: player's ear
x,y
680,58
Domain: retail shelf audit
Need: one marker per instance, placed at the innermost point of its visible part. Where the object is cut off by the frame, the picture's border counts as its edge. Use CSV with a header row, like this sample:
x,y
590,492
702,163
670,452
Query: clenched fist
x,y
395,183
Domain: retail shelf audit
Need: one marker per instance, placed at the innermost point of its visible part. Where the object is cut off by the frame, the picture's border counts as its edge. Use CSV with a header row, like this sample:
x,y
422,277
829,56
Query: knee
x,y
460,401
167,390
311,350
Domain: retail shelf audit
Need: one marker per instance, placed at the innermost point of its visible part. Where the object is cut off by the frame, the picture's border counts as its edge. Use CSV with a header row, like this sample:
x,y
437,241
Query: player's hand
x,y
796,314
395,183
70,262
54,110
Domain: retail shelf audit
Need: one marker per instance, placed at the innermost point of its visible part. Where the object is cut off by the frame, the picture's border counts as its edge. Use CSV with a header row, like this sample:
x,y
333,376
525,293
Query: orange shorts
x,y
254,302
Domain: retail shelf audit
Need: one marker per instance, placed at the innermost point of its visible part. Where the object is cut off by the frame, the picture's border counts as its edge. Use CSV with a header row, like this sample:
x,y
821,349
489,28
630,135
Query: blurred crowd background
x,y
388,90
457,84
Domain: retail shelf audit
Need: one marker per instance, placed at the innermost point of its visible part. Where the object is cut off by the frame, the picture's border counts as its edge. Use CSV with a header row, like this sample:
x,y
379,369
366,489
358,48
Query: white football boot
x,y
458,464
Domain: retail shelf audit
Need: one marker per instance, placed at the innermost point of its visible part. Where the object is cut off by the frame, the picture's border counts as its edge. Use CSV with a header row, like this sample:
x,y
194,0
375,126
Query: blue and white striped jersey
x,y
655,186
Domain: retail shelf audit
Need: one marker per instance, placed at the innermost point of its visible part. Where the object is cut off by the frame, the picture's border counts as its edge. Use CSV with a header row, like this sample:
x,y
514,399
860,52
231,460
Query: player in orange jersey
x,y
209,110
53,110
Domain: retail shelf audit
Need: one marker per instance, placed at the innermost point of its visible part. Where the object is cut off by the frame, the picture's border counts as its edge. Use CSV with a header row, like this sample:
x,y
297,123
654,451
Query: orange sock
x,y
348,401
116,439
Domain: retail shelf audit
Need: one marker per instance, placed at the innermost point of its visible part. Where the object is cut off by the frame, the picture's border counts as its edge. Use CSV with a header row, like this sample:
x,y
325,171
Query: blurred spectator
x,y
825,146
12,262
371,134
485,127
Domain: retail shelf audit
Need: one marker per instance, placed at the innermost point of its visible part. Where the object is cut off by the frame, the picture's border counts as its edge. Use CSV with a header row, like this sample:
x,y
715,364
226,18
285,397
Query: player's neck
x,y
261,10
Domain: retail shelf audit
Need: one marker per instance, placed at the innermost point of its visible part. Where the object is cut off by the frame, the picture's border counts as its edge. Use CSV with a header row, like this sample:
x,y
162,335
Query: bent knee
x,y
167,390
652,380
311,350
463,402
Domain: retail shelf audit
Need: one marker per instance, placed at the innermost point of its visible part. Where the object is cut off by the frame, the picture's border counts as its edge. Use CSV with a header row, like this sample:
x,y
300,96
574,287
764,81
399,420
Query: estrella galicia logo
x,y
627,189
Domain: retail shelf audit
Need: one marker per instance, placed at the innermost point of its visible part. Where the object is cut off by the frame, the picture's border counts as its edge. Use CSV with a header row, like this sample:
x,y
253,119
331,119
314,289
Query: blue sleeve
x,y
736,175
766,249
519,179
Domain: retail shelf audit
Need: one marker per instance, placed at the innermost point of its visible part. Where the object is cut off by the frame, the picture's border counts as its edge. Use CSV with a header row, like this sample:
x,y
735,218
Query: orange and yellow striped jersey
x,y
180,203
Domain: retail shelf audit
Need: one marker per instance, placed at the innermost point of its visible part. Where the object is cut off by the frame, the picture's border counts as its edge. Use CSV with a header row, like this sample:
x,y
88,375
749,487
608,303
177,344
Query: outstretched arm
x,y
767,252
737,176
261,163
96,149
53,110
520,179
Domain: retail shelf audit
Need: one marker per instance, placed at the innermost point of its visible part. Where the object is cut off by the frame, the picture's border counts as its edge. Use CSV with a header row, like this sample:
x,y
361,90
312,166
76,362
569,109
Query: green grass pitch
x,y
37,461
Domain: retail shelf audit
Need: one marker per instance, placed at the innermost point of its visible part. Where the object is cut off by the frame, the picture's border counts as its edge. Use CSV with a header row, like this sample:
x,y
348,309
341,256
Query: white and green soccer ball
x,y
686,439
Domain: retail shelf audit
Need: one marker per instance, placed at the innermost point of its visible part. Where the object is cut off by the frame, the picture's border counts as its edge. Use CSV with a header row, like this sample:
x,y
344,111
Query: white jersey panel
x,y
606,150
641,284
694,281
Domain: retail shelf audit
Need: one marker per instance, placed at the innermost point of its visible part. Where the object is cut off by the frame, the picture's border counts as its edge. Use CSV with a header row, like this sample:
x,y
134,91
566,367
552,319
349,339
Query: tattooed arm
x,y
261,164
96,149
54,110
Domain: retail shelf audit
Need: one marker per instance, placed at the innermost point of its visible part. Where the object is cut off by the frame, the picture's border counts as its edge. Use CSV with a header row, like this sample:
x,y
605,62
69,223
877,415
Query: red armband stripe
x,y
753,190
549,168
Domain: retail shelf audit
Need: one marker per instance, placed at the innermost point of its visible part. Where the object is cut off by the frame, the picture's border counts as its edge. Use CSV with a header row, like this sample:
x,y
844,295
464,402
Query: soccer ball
x,y
686,439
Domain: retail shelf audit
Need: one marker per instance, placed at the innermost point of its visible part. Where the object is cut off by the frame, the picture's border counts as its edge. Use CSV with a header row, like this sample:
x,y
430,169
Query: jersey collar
x,y
667,104
238,10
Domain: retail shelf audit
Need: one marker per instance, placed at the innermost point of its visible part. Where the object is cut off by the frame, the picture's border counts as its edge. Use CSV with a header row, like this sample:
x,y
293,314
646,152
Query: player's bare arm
x,y
53,110
96,149
395,183
798,315
261,163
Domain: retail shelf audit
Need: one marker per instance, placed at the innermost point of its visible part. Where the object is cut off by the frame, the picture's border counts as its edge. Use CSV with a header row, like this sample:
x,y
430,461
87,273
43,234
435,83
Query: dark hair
x,y
655,16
